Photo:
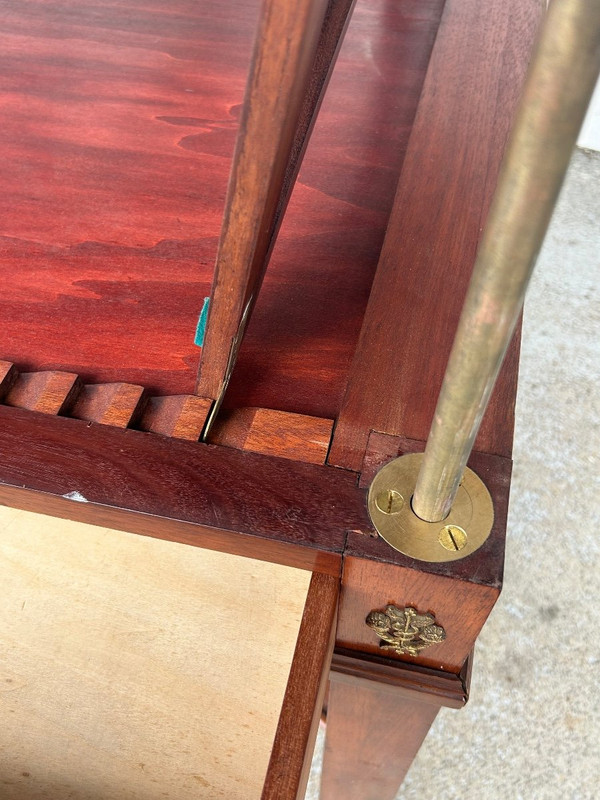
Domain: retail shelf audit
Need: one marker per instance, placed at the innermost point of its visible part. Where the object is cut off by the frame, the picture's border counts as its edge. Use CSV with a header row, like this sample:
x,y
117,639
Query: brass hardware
x,y
464,530
404,630
389,501
452,537
560,82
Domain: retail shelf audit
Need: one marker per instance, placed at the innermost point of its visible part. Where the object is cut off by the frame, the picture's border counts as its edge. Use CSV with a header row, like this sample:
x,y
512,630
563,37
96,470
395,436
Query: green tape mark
x,y
201,327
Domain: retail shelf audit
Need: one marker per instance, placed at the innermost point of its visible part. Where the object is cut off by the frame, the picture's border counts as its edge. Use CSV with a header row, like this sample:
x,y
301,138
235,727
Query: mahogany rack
x,y
117,147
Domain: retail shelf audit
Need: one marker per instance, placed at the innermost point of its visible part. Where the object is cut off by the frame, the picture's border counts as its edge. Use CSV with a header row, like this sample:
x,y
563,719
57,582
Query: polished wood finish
x,y
214,497
8,375
372,737
468,102
293,747
293,53
117,404
461,593
315,293
122,126
460,607
414,681
181,417
274,433
46,392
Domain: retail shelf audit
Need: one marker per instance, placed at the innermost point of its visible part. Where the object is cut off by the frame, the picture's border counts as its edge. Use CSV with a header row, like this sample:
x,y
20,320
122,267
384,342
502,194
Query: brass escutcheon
x,y
464,530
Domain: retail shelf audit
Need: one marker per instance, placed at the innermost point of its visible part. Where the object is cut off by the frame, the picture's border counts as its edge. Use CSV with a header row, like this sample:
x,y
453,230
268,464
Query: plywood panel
x,y
137,668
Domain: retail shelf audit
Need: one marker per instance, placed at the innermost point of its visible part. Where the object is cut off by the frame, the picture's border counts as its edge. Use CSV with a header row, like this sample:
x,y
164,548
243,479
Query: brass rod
x,y
557,91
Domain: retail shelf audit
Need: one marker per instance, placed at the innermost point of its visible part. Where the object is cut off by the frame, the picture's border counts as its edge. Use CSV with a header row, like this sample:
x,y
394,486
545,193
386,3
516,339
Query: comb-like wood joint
x,y
274,433
180,416
116,404
8,376
47,392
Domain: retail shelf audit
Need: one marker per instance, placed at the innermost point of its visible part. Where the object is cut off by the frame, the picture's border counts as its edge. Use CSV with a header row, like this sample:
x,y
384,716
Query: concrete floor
x,y
532,726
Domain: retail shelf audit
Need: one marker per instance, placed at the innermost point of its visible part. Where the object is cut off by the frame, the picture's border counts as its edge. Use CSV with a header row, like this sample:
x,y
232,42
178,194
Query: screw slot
x,y
389,501
452,537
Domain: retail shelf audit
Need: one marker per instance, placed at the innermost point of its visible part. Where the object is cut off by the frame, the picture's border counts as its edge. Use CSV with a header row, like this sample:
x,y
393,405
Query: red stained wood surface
x,y
117,138
469,99
179,416
47,392
118,404
274,433
305,326
8,375
215,497
269,146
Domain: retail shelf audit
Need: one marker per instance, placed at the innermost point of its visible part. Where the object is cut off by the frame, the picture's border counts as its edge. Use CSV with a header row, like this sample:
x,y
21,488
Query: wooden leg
x,y
373,733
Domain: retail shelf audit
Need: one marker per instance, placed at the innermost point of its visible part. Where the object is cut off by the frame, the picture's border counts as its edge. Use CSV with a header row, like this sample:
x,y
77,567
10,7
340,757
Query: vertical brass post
x,y
559,85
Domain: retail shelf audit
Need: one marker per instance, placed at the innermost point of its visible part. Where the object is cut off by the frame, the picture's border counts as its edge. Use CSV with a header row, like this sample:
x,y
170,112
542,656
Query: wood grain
x,y
276,433
407,680
117,404
275,551
461,594
469,99
271,141
372,737
174,489
460,607
120,127
8,375
291,757
47,392
181,417
138,668
316,290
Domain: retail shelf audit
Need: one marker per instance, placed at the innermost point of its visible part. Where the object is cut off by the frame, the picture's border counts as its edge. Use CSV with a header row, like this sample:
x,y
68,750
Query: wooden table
x,y
118,133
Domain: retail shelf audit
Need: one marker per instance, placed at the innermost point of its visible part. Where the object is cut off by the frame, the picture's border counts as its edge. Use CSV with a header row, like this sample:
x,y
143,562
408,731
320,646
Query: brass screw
x,y
452,537
389,501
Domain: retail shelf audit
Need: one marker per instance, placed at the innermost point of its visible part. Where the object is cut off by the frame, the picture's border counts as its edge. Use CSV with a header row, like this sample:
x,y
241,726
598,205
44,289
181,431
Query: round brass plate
x,y
464,530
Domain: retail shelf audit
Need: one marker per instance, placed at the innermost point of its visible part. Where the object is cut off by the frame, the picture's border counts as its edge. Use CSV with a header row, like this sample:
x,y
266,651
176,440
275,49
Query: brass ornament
x,y
405,631
464,530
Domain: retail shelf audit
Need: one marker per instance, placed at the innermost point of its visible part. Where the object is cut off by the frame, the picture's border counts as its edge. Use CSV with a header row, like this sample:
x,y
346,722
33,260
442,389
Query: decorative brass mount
x,y
464,530
404,631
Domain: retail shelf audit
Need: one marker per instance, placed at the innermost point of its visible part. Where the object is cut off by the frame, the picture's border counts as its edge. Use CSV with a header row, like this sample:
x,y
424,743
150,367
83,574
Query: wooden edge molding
x,y
431,685
289,765
172,530
304,514
211,496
